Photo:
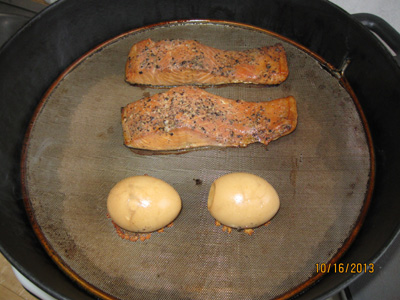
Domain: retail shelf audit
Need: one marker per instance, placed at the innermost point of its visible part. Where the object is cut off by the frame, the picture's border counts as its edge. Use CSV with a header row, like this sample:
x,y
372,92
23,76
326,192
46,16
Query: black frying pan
x,y
32,60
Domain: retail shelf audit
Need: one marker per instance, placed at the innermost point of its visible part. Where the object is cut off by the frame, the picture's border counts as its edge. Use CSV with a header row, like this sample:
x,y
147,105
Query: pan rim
x,y
330,68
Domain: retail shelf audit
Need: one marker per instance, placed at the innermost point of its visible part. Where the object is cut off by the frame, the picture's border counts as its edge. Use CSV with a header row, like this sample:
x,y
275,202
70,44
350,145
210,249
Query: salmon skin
x,y
188,62
187,118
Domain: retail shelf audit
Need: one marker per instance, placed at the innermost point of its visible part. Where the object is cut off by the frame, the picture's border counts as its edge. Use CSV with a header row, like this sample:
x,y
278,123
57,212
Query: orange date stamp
x,y
354,268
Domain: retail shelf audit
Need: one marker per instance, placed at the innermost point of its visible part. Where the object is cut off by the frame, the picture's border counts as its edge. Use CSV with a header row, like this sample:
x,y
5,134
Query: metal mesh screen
x,y
76,155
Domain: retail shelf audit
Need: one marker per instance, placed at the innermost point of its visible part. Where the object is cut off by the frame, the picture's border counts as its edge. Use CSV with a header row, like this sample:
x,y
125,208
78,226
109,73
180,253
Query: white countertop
x,y
389,10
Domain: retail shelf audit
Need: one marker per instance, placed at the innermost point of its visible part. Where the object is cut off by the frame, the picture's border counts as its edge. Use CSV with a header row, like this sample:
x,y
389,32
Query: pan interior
x,y
75,155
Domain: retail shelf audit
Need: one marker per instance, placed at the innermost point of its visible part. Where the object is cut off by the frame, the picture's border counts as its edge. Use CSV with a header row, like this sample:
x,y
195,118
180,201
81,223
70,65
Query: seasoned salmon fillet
x,y
187,117
188,62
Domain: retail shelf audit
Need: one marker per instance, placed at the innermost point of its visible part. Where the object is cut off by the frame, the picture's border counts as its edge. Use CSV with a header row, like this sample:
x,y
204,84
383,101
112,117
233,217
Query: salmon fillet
x,y
187,117
188,62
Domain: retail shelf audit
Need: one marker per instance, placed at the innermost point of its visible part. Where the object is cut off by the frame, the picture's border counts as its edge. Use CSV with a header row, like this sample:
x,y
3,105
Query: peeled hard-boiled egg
x,y
242,200
143,204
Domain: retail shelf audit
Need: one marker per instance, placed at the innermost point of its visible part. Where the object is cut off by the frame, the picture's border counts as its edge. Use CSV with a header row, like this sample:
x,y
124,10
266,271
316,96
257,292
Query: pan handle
x,y
386,32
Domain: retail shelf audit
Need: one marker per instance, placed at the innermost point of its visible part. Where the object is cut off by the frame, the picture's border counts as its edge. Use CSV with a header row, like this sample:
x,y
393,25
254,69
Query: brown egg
x,y
242,200
143,204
